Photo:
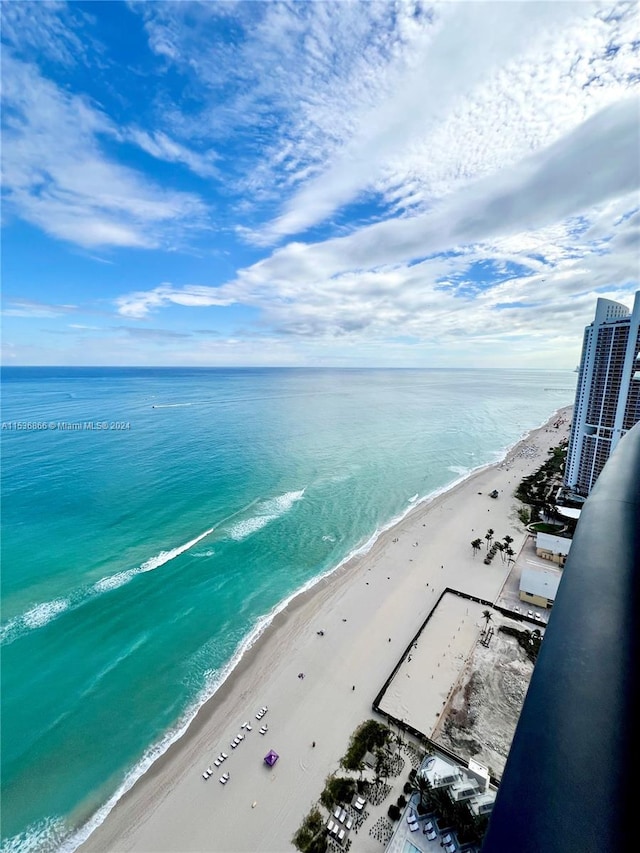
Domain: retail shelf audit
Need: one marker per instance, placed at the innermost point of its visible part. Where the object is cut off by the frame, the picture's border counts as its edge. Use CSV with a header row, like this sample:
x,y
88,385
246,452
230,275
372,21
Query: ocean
x,y
155,520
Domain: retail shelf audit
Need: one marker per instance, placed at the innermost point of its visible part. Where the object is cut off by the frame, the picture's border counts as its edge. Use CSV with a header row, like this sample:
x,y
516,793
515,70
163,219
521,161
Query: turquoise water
x,y
140,560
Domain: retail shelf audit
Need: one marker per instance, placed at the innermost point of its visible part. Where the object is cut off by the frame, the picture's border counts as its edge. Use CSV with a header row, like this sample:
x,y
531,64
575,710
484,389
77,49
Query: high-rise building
x,y
607,400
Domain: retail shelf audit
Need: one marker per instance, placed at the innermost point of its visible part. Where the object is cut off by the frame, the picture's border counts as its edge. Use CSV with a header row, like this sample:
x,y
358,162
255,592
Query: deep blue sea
x,y
153,520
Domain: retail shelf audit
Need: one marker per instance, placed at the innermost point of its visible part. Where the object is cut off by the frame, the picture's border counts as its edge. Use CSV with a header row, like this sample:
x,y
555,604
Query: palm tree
x,y
510,554
486,615
507,539
488,536
476,545
499,546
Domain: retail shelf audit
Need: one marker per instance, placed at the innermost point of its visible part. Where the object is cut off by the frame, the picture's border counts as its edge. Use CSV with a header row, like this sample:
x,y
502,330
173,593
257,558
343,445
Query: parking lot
x,y
509,596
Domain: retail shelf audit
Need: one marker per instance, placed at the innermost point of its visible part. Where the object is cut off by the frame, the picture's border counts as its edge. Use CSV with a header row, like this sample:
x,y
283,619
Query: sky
x,y
333,184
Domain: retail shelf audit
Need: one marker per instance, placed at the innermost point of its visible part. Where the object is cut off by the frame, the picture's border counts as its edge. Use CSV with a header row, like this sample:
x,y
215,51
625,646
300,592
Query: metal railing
x,y
571,777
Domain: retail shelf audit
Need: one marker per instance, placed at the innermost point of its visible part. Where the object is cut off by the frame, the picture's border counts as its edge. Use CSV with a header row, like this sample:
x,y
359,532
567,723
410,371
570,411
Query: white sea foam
x,y
43,613
45,835
414,498
457,469
328,538
114,581
242,529
266,511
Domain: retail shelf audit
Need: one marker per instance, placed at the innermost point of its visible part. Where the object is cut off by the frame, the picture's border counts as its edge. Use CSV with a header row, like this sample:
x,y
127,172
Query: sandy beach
x,y
368,610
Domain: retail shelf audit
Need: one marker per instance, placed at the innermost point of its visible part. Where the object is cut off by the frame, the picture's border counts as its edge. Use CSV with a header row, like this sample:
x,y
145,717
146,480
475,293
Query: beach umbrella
x,y
271,757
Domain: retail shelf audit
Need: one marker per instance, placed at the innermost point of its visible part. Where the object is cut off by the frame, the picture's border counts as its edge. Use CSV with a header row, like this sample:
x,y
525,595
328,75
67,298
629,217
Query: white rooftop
x,y
542,582
568,511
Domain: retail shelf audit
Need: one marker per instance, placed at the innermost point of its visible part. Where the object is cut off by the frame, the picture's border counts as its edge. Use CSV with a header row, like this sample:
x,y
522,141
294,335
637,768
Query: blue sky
x,y
316,183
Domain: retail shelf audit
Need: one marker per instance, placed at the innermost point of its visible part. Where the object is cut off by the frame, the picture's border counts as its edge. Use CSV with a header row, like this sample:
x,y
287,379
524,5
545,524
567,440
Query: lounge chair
x,y
341,835
218,762
348,822
207,773
414,827
224,755
263,730
244,725
331,827
432,835
336,813
447,838
234,744
224,778
248,727
450,848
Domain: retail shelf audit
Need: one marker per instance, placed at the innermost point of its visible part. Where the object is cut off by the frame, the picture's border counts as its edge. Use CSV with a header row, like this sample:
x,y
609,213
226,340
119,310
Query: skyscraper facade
x,y
607,400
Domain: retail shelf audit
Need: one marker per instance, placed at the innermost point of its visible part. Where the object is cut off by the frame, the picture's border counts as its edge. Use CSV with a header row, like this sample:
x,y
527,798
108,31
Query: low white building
x,y
553,548
539,586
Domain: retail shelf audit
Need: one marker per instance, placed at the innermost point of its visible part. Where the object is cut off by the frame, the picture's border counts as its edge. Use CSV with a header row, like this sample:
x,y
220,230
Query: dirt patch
x,y
481,716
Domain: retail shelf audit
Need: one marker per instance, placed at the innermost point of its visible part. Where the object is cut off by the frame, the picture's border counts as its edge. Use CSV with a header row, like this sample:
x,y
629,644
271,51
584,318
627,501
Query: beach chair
x,y
207,773
218,762
234,743
263,730
264,709
224,778
248,727
224,756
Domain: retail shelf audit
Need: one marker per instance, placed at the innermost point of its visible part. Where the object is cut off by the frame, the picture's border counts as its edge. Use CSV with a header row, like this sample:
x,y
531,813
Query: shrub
x,y
394,812
337,789
366,738
401,802
407,788
308,838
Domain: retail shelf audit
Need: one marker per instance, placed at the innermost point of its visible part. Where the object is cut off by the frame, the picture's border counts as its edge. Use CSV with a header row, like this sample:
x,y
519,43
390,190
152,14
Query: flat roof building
x,y
539,586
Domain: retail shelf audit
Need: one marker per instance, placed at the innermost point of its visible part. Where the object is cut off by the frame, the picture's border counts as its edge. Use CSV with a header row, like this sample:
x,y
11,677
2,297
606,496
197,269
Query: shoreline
x,y
117,828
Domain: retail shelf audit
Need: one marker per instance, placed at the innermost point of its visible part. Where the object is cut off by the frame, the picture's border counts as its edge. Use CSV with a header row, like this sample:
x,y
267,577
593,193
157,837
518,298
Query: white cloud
x,y
418,276
56,176
161,146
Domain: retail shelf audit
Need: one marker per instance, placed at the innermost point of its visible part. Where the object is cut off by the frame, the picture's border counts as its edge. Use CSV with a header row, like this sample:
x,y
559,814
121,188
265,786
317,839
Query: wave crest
x,y
266,511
